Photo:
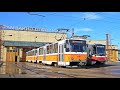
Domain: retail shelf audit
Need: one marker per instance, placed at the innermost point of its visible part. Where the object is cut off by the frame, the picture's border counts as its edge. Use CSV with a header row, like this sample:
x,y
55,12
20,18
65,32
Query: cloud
x,y
91,16
83,29
110,13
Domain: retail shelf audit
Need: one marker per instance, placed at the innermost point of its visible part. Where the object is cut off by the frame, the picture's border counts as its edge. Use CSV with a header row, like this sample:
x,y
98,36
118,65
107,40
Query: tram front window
x,y
76,46
101,50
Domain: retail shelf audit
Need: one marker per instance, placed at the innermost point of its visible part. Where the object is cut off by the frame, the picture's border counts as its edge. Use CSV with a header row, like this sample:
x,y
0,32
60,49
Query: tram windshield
x,y
100,50
76,46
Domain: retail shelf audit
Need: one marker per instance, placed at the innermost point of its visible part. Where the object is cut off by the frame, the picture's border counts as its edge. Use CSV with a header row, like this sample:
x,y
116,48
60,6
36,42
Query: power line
x,y
108,16
39,19
35,14
101,19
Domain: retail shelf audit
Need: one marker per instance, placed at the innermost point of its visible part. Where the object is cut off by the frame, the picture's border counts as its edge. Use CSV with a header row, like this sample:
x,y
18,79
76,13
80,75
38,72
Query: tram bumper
x,y
77,62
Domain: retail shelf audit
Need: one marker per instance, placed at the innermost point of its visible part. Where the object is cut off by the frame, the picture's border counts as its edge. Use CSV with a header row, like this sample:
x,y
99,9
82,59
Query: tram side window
x,y
67,46
51,51
35,52
32,53
56,47
48,50
27,54
41,51
94,49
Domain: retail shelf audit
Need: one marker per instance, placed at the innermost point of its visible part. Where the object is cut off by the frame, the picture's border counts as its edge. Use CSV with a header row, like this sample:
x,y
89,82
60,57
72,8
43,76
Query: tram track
x,y
53,73
31,70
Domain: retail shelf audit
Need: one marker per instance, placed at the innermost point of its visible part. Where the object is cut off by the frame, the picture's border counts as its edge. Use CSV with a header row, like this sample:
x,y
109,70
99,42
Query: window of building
x,y
8,49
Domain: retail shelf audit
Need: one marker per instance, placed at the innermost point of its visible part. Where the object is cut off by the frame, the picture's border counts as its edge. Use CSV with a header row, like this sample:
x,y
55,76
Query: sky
x,y
94,24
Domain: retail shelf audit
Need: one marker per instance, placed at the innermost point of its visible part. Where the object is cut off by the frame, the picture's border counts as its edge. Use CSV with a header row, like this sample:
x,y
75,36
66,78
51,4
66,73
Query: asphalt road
x,y
32,70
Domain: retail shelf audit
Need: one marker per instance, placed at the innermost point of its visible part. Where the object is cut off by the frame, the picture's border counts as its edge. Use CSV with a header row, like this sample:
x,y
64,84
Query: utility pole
x,y
110,46
107,44
0,44
72,32
35,49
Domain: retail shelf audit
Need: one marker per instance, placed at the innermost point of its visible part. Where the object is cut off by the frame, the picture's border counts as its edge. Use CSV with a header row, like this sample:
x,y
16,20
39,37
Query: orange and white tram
x,y
31,56
66,52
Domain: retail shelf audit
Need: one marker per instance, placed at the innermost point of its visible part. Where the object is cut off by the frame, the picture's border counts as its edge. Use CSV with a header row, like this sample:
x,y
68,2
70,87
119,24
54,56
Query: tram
x,y
96,54
67,52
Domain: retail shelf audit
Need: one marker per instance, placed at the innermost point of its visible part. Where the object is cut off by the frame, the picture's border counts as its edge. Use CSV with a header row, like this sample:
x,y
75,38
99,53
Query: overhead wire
x,y
108,16
40,18
78,19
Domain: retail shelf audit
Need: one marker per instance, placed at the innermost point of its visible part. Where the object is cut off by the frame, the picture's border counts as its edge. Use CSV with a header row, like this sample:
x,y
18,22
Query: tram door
x,y
44,51
61,57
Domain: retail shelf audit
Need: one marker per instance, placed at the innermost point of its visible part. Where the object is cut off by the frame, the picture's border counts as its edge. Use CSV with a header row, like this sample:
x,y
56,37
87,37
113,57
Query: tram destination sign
x,y
78,41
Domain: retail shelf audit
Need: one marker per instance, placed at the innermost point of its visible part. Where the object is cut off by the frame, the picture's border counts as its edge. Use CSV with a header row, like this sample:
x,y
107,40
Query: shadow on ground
x,y
90,66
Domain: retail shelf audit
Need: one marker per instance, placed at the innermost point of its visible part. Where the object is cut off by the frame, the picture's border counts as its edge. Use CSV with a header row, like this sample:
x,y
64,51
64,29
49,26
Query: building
x,y
119,55
96,42
16,41
112,53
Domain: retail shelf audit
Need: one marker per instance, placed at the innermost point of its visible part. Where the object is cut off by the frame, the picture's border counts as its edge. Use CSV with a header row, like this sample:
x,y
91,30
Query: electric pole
x,y
110,46
72,32
107,46
0,44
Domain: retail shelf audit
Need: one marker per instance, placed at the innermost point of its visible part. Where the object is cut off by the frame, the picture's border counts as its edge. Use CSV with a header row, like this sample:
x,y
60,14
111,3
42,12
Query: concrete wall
x,y
3,53
30,36
96,42
27,36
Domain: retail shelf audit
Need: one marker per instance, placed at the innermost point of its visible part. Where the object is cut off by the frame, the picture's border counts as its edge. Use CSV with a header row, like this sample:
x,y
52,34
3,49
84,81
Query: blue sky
x,y
95,24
